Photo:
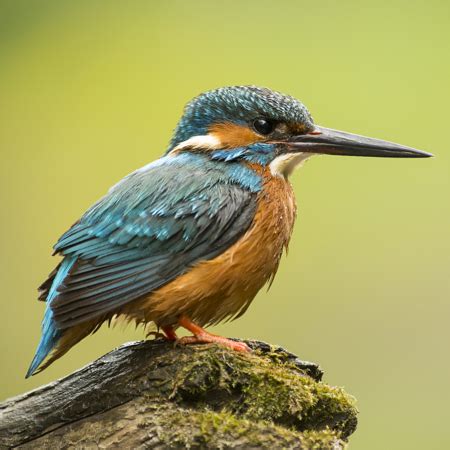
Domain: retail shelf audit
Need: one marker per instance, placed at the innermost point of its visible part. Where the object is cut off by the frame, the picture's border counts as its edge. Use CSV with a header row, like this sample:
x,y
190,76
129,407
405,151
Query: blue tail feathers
x,y
50,334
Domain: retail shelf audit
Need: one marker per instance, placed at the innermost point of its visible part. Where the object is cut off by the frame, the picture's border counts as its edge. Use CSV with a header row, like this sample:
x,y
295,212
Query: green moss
x,y
323,439
259,387
222,429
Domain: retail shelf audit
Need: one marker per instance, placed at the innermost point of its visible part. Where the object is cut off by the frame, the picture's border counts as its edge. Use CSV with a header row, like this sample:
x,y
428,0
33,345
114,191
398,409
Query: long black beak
x,y
332,142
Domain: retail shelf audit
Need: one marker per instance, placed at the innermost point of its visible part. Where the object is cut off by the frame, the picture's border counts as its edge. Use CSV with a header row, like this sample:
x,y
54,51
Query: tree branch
x,y
153,395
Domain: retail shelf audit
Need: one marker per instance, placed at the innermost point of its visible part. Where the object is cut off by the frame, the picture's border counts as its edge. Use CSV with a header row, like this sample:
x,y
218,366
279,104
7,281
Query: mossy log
x,y
152,394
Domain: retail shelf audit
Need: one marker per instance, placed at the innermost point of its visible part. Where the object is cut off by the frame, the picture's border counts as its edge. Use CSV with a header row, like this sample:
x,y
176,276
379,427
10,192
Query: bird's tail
x,y
50,337
50,334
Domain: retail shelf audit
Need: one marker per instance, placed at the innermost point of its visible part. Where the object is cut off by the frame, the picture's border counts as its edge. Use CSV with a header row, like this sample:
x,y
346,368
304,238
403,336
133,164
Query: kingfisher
x,y
189,239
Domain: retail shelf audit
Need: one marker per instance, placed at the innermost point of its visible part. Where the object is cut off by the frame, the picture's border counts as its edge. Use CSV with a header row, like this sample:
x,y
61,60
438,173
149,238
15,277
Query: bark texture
x,y
153,395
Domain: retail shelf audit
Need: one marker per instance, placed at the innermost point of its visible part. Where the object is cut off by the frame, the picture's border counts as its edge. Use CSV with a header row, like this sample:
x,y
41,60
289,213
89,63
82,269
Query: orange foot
x,y
203,337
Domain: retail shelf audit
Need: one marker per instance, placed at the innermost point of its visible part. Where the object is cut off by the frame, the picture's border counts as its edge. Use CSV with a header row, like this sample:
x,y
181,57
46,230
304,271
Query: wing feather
x,y
148,230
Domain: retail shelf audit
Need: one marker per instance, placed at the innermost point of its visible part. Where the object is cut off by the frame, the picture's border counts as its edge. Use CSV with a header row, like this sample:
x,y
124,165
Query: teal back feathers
x,y
150,228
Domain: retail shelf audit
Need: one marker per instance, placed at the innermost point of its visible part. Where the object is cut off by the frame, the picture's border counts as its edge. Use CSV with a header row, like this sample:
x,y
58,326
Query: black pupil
x,y
263,126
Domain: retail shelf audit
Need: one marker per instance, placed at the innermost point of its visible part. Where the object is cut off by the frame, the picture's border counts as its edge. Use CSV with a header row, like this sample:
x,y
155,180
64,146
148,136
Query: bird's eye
x,y
263,126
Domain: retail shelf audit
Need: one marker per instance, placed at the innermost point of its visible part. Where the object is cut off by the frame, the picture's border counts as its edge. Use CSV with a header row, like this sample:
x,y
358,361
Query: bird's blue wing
x,y
148,230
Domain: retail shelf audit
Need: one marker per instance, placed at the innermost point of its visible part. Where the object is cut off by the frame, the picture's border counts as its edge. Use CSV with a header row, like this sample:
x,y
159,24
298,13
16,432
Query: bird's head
x,y
264,127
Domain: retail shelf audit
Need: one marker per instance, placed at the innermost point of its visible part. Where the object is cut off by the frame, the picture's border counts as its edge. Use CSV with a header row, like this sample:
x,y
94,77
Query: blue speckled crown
x,y
238,104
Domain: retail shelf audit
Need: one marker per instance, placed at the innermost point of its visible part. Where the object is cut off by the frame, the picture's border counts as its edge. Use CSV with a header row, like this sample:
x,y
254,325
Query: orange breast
x,y
224,287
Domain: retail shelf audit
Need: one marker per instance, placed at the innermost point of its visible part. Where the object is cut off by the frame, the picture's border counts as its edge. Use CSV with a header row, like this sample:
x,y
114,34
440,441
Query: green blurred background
x,y
91,90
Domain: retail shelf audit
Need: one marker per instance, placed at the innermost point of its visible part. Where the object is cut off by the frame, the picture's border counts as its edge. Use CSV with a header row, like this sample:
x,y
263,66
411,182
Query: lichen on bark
x,y
154,395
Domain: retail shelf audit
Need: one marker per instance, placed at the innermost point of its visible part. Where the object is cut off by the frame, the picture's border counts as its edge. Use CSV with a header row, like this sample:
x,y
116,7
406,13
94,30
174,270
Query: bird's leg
x,y
201,336
168,333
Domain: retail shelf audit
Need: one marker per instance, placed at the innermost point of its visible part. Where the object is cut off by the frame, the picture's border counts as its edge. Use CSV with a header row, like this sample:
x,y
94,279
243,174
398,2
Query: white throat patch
x,y
284,165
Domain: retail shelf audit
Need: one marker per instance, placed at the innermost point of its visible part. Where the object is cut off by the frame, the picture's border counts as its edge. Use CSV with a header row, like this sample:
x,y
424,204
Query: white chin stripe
x,y
207,141
284,165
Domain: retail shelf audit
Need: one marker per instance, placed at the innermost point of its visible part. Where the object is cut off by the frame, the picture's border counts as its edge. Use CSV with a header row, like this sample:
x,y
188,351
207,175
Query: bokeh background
x,y
91,90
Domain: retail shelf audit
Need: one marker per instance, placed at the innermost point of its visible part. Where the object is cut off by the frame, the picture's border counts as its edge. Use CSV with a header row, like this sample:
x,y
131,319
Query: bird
x,y
188,240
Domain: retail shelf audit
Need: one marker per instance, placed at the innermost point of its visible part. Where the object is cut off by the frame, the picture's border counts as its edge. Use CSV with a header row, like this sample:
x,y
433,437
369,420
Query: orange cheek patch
x,y
232,135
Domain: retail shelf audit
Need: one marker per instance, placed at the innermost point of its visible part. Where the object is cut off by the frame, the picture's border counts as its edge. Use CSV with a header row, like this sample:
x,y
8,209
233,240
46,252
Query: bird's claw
x,y
156,335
